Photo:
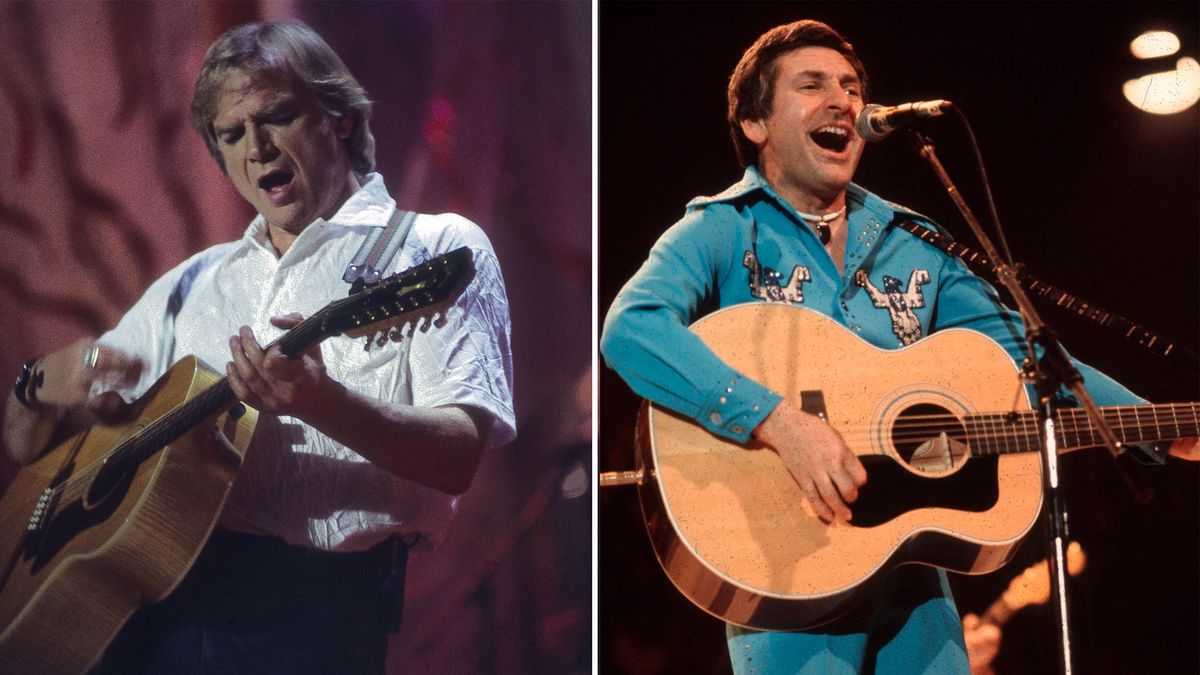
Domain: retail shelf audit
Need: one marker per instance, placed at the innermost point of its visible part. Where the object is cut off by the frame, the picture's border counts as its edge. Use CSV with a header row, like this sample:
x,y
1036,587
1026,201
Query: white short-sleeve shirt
x,y
297,483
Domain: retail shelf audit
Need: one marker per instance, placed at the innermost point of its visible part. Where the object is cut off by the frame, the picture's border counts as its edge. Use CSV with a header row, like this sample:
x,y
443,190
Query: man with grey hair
x,y
358,454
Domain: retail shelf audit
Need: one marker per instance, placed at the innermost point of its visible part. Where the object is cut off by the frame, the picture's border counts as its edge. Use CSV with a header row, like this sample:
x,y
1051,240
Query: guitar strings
x,y
983,431
146,437
993,427
166,424
201,405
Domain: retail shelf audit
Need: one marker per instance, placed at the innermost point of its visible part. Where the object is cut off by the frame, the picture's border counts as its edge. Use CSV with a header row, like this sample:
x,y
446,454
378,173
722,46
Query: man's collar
x,y
369,206
857,197
751,181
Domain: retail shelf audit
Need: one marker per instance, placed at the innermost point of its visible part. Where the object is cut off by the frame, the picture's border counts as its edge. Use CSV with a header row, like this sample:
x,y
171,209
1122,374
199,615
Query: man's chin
x,y
834,183
287,220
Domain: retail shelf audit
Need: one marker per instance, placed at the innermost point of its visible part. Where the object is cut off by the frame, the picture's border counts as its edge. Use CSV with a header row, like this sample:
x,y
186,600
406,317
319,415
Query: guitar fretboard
x,y
176,423
213,399
1000,433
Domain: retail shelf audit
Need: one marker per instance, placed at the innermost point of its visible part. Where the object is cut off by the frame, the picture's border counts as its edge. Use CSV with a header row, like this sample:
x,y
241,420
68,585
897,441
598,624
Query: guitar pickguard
x,y
892,490
65,521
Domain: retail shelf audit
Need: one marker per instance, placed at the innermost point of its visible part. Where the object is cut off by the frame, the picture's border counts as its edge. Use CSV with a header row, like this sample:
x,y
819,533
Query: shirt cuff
x,y
739,407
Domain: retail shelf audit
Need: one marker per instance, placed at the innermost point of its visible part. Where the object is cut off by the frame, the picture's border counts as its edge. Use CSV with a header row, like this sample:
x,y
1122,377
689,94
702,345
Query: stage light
x,y
1167,92
1154,44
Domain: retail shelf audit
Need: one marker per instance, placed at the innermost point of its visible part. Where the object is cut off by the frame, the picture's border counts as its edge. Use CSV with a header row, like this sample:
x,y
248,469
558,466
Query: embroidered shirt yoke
x,y
747,244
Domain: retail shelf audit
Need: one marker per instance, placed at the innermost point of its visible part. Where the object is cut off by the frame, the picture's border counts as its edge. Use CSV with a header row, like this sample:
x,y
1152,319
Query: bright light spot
x,y
1153,44
575,483
1166,93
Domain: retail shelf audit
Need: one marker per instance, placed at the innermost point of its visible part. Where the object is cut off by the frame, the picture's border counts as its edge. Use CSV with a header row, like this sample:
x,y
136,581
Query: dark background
x,y
1096,197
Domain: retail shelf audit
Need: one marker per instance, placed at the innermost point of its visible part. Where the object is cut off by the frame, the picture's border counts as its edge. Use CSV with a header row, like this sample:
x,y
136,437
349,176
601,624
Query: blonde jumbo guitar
x,y
111,519
943,428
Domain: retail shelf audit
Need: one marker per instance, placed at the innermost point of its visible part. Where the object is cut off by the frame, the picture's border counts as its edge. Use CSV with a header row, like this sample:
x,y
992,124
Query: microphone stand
x,y
1050,372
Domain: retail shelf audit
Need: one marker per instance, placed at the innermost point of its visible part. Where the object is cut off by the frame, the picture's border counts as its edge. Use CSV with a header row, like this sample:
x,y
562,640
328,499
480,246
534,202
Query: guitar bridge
x,y
41,510
813,403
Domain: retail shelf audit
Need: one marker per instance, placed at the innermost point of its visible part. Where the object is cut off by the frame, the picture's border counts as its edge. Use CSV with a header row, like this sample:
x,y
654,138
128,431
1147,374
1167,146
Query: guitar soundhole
x,y
110,482
66,519
930,439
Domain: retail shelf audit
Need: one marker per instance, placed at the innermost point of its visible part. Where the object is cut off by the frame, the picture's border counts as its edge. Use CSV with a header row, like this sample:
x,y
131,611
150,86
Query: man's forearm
x,y
61,390
437,447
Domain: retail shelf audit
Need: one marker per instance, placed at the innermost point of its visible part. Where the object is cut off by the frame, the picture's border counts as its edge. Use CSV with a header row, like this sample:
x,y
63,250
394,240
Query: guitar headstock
x,y
414,299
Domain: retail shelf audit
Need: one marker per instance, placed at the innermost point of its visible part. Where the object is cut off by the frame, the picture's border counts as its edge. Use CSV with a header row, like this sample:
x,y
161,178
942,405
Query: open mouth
x,y
275,179
831,138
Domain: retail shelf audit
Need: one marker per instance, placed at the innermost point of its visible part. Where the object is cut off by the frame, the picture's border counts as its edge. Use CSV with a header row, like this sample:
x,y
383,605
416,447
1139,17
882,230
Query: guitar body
x,y
115,539
734,532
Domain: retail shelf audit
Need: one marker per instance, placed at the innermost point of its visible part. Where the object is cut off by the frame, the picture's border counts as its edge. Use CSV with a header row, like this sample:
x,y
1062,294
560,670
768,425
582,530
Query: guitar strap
x,y
1088,310
377,251
375,254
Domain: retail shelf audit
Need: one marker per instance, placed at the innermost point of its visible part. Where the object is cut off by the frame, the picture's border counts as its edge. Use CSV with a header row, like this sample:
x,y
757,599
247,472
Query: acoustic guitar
x,y
942,427
111,519
1031,587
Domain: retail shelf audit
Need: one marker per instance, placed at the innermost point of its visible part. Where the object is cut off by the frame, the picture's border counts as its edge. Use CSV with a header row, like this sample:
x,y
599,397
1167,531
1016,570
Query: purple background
x,y
483,109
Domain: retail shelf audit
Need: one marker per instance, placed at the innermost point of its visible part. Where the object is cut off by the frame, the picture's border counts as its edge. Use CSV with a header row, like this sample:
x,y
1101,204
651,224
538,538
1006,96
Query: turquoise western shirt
x,y
747,244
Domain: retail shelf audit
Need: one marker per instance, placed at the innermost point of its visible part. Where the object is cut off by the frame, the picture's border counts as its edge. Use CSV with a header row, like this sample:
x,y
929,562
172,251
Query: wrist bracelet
x,y
21,388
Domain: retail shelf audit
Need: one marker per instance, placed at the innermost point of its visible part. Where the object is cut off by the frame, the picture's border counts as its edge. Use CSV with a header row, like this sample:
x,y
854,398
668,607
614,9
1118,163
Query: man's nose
x,y
261,147
839,99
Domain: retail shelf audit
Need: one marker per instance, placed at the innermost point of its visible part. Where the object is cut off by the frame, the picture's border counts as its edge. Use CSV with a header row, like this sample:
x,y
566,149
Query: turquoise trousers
x,y
911,627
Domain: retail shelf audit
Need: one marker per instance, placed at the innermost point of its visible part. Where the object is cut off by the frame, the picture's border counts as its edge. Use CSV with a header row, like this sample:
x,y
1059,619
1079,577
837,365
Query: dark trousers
x,y
254,604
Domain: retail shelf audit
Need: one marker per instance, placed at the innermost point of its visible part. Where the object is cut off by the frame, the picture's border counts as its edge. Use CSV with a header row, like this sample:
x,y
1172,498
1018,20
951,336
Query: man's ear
x,y
755,130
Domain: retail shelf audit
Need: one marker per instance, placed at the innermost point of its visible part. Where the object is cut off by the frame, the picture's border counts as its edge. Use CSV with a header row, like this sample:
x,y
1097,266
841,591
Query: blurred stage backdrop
x,y
482,108
1097,197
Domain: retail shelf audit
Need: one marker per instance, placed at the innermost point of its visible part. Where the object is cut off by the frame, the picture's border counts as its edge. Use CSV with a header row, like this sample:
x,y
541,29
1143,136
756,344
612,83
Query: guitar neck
x,y
177,422
214,398
1001,433
998,613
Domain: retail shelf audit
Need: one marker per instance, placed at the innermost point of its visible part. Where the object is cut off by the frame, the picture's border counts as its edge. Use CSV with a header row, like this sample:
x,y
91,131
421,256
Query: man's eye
x,y
852,92
231,137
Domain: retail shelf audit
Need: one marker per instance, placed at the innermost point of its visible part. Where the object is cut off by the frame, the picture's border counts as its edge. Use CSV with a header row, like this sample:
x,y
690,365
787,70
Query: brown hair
x,y
752,85
291,49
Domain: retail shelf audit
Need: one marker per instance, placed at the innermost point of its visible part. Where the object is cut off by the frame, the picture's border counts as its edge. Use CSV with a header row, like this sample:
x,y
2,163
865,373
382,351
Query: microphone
x,y
875,122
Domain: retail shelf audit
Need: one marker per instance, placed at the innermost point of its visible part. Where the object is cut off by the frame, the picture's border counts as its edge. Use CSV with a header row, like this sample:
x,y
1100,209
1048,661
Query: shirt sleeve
x,y
647,342
147,330
966,301
468,361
